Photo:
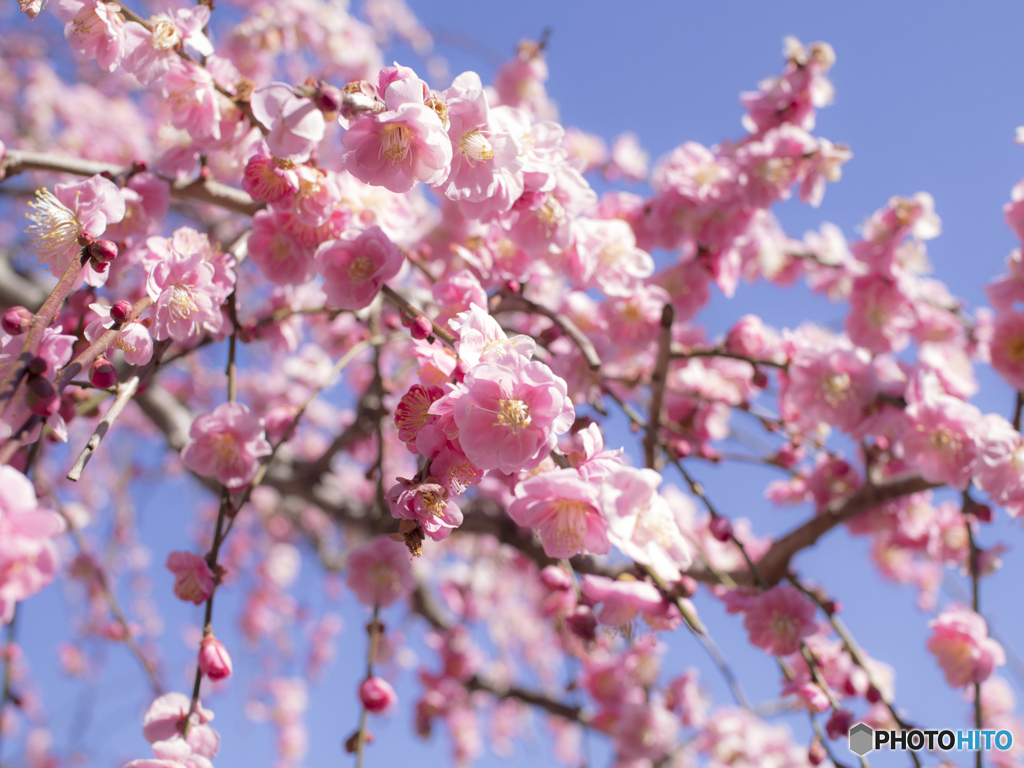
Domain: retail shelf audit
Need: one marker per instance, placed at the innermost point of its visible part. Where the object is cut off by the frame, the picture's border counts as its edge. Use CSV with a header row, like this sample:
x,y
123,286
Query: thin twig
x,y
659,377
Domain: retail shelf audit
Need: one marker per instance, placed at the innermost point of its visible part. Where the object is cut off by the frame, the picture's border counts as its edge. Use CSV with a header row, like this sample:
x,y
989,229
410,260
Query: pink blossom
x,y
628,159
622,600
132,338
779,619
834,386
511,414
268,178
281,258
426,503
1007,347
214,661
152,52
606,257
356,265
645,731
184,295
28,558
165,722
1000,468
296,124
566,511
455,472
881,315
377,695
942,438
379,572
96,28
963,648
482,339
227,445
191,93
193,579
75,209
593,462
400,146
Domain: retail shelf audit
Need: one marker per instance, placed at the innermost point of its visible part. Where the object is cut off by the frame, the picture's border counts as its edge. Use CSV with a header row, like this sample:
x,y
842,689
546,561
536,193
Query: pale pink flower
x,y
834,386
485,165
593,462
1000,467
963,648
152,52
296,124
628,159
942,439
96,28
622,600
184,294
281,258
482,339
641,524
28,558
165,722
606,257
132,338
566,511
30,8
684,697
1007,347
400,146
881,315
779,619
511,414
379,572
377,695
227,445
356,265
193,579
193,100
426,503
73,210
645,731
454,470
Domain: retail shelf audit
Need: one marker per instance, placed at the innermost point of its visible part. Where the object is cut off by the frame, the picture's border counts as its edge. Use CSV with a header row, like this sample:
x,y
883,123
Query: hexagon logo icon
x,y
862,739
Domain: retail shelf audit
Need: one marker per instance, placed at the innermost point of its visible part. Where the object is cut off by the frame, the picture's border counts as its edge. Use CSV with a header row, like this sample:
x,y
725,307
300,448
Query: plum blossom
x,y
184,295
164,727
779,619
832,386
132,338
379,572
28,557
356,265
963,648
511,414
73,210
426,503
152,52
194,582
296,124
565,509
404,144
96,28
227,445
1000,467
482,339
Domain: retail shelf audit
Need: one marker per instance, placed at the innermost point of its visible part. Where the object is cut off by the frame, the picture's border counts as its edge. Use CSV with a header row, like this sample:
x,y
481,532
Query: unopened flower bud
x,y
759,379
121,311
214,661
839,724
461,369
37,366
721,528
103,375
86,239
983,512
555,579
582,623
42,400
421,328
68,408
816,753
376,694
103,250
327,97
17,320
873,695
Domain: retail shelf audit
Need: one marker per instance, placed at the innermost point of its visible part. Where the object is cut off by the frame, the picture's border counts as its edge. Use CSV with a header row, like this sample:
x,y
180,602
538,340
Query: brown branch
x,y
659,378
442,333
200,190
682,352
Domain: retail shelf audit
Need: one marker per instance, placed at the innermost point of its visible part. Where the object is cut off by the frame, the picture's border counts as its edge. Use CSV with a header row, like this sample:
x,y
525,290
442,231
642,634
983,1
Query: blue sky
x,y
928,96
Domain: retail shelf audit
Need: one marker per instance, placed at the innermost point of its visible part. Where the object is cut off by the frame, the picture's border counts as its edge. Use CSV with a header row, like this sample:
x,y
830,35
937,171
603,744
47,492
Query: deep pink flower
x,y
379,572
28,558
779,619
73,210
428,504
96,28
356,265
281,258
511,414
377,695
268,178
227,445
400,146
296,124
961,643
193,579
565,509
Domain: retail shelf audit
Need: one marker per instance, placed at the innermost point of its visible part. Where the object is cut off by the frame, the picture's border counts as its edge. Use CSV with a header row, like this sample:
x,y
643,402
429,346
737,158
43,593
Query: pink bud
x,y
121,311
376,694
582,623
42,400
421,328
103,251
816,753
983,512
759,379
17,320
687,586
839,724
461,369
873,695
68,408
555,579
327,97
746,337
86,239
214,661
38,366
721,528
104,375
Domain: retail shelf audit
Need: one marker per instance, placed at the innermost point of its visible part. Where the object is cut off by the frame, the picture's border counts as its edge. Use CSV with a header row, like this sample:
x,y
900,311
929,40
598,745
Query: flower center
x,y
54,225
396,142
835,388
944,439
475,146
165,32
225,447
183,303
1015,349
361,269
433,503
513,413
552,213
570,523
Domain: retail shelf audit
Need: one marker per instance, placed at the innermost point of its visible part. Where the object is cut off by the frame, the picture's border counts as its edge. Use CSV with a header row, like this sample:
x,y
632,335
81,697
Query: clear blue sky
x,y
928,96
